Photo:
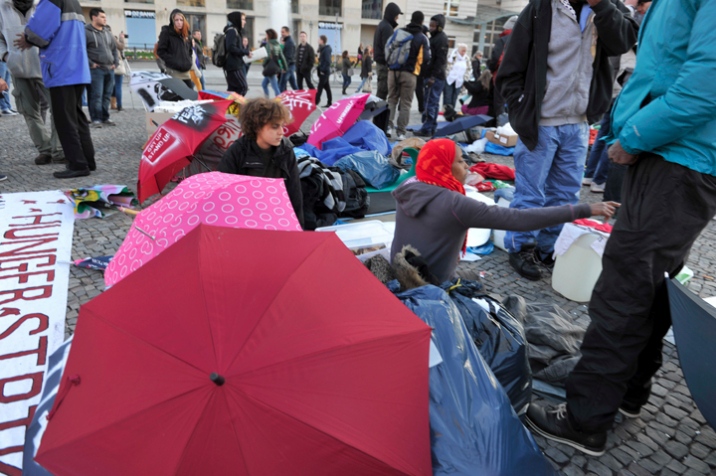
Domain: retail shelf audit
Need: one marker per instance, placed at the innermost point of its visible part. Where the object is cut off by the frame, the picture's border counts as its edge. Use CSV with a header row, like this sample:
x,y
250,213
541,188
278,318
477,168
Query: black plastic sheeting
x,y
473,428
499,337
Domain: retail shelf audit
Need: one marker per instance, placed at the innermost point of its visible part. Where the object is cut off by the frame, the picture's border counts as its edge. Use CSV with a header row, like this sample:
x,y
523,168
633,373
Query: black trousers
x,y
300,77
72,126
665,207
236,81
420,94
382,119
324,85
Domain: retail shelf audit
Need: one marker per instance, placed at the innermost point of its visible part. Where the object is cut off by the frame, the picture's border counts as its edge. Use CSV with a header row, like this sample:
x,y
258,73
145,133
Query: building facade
x,y
346,23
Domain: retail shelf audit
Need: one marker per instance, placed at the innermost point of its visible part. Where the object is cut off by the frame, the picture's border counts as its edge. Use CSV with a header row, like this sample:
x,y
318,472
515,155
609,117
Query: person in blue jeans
x,y
103,60
435,74
5,106
595,175
289,52
346,67
275,59
555,79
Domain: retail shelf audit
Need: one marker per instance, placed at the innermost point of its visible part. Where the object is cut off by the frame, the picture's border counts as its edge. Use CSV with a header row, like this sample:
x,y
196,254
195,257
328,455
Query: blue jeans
x,y
100,92
598,162
346,81
118,78
274,84
450,95
548,176
5,95
432,105
202,81
288,77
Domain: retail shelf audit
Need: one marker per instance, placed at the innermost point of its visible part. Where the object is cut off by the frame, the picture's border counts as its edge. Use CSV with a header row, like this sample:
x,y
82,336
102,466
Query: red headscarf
x,y
435,165
435,168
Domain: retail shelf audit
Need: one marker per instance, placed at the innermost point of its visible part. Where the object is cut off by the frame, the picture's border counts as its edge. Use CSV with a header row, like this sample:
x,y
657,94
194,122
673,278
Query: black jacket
x,y
289,50
479,95
235,50
243,158
174,50
438,51
384,31
522,76
366,67
420,43
497,49
305,59
324,59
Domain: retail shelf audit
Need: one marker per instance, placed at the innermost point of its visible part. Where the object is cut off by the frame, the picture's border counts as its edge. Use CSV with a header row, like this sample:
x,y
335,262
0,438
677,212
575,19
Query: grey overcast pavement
x,y
670,438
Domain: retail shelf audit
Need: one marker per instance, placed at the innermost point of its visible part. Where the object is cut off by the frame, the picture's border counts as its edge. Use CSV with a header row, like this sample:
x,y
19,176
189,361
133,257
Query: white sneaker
x,y
596,187
9,112
401,137
586,181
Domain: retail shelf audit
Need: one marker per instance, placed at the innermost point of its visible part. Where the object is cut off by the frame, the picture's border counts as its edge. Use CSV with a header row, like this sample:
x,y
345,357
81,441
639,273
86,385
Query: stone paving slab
x,y
670,438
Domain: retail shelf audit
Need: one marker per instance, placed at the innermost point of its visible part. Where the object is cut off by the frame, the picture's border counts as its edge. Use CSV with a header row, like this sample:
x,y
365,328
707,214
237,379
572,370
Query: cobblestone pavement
x,y
671,437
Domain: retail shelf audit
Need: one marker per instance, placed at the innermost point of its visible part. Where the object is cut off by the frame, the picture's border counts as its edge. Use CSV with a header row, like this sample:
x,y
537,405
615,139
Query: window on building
x,y
452,7
451,42
294,6
240,4
372,9
190,3
138,1
249,33
196,22
330,8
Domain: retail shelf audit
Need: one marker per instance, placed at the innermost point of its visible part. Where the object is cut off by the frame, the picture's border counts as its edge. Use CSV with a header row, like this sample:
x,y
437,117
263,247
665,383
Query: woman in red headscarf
x,y
433,214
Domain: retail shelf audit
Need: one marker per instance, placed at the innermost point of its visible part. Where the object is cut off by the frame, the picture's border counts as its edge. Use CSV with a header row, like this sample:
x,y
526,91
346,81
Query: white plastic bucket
x,y
577,270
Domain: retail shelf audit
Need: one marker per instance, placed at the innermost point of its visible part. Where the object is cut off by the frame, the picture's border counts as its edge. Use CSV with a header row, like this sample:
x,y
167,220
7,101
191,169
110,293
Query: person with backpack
x,y
324,70
493,64
263,151
274,64
382,34
230,51
305,59
405,53
435,74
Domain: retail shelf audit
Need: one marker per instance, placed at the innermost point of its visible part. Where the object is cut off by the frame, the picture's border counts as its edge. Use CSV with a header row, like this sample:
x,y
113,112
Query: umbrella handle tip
x,y
217,379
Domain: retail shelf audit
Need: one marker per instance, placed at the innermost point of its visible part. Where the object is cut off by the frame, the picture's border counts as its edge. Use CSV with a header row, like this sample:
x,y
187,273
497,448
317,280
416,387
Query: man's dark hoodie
x,y
522,75
235,50
384,32
174,50
438,50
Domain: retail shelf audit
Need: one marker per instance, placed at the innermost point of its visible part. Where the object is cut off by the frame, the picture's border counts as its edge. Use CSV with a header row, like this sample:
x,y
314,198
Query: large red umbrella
x,y
301,103
337,119
174,142
244,352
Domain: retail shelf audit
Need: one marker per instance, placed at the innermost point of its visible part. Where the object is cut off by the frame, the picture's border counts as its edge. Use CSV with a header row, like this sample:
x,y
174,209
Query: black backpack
x,y
219,51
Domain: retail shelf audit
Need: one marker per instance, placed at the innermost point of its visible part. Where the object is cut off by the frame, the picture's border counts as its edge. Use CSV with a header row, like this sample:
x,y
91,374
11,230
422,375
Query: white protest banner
x,y
35,251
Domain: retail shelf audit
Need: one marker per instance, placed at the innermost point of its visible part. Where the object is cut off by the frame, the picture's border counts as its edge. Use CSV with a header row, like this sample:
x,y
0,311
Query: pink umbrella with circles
x,y
213,198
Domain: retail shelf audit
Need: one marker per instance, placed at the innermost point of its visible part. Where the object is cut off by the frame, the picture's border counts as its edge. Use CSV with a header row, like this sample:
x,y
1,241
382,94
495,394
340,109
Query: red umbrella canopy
x,y
301,103
174,142
244,352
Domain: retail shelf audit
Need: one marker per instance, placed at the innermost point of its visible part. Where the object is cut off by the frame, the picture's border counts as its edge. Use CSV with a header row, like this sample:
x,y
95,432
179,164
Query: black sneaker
x,y
553,423
43,159
524,263
68,173
630,410
545,260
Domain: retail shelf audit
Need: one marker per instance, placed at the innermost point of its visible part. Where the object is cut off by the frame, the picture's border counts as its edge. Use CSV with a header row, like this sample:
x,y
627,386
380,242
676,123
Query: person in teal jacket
x,y
664,129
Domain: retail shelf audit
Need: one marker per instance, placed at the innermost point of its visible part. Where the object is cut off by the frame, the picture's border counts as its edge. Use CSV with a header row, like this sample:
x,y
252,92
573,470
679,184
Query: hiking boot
x,y
552,422
545,260
524,263
43,159
68,173
630,410
597,187
422,133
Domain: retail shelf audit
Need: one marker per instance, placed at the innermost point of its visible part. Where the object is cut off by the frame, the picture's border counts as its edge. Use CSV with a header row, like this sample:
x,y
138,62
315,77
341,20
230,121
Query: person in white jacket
x,y
31,95
459,70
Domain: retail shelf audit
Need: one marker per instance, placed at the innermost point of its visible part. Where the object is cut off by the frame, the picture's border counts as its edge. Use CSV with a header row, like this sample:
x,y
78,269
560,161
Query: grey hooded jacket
x,y
101,48
22,64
